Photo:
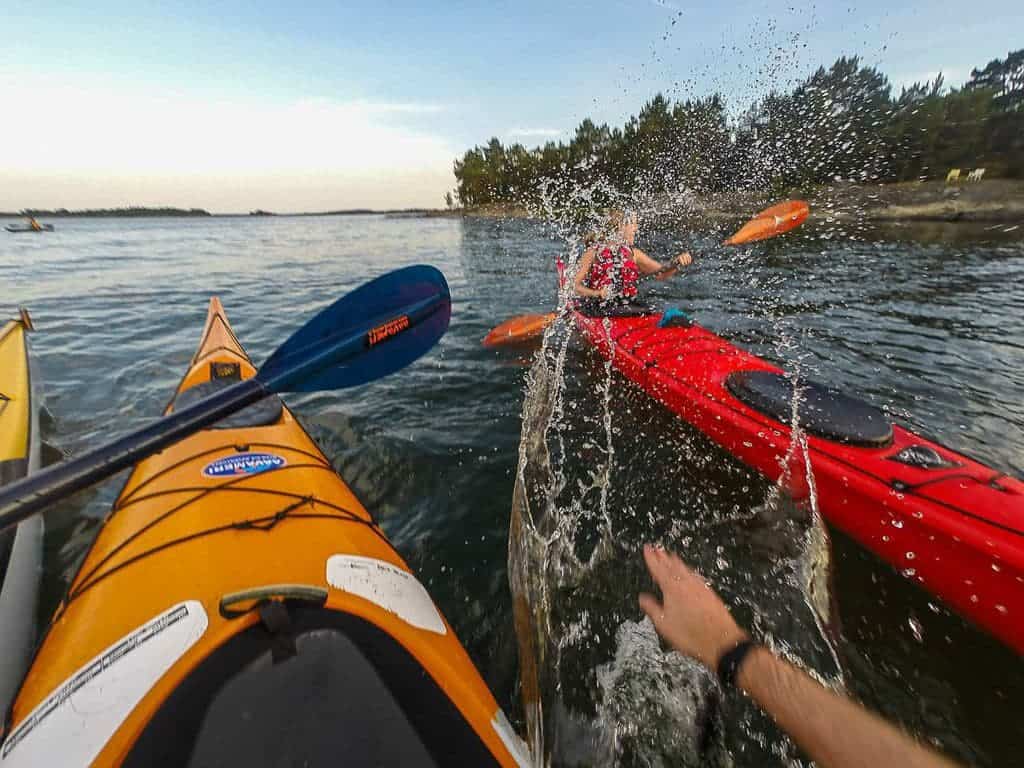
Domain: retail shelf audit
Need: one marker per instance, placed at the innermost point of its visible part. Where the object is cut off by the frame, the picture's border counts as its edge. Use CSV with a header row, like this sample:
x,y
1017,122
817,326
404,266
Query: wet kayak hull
x,y
950,524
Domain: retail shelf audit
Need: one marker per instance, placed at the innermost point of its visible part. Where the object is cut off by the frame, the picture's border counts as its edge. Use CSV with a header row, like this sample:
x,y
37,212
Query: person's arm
x,y
581,275
830,728
649,266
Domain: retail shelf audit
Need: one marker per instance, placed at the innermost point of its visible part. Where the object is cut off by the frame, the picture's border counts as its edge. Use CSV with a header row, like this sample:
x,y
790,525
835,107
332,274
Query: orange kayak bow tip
x,y
518,330
772,221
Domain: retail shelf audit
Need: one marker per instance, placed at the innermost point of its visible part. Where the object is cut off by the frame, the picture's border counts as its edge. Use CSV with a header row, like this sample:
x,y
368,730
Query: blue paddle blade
x,y
373,331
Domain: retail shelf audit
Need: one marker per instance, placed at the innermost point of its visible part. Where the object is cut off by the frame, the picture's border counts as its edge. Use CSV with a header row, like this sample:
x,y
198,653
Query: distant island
x,y
119,212
200,212
368,211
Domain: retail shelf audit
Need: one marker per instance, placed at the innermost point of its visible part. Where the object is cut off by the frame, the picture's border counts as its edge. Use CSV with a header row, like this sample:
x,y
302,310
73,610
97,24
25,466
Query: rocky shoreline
x,y
991,201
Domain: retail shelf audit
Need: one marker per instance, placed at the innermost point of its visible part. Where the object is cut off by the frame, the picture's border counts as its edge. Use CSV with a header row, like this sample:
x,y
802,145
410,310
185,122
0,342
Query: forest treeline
x,y
111,212
843,123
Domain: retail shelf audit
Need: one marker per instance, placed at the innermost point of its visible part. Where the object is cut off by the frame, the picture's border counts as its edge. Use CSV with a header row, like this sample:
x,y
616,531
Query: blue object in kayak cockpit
x,y
675,318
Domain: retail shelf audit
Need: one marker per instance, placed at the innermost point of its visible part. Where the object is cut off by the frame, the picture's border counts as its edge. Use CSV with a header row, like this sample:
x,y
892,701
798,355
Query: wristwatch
x,y
729,662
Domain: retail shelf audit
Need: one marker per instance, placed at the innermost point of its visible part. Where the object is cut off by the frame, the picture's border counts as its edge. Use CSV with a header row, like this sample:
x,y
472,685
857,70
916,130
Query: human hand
x,y
684,259
692,618
607,293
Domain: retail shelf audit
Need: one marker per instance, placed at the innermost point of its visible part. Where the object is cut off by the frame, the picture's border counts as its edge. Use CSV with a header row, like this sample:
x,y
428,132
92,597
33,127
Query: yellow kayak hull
x,y
21,549
205,541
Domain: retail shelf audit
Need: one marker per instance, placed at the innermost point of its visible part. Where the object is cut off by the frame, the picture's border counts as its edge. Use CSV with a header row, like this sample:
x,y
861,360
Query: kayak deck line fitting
x,y
950,524
239,605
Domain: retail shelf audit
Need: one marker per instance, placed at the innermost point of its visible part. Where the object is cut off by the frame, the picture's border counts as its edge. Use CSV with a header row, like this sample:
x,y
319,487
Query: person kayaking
x,y
830,728
611,266
35,225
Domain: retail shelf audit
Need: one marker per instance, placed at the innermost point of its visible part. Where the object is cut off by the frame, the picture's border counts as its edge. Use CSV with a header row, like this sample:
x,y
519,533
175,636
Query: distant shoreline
x,y
993,201
193,213
97,213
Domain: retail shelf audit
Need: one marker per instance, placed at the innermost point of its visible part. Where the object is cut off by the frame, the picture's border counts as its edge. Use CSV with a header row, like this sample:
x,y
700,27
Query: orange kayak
x,y
240,606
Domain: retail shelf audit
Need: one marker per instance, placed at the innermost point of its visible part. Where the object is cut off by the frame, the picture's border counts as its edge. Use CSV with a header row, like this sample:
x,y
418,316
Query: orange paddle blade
x,y
519,329
771,222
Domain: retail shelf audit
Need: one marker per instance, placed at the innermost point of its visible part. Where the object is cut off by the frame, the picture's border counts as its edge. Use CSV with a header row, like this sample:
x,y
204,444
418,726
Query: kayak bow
x,y
240,606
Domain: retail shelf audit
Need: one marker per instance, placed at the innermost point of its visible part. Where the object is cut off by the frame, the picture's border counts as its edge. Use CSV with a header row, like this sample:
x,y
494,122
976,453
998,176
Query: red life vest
x,y
614,266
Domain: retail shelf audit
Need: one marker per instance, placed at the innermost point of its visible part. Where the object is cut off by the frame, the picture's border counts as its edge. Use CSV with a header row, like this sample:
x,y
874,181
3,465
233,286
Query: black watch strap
x,y
730,661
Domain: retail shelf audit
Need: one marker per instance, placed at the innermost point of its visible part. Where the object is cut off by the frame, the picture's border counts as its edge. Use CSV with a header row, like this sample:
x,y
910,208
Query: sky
x,y
234,106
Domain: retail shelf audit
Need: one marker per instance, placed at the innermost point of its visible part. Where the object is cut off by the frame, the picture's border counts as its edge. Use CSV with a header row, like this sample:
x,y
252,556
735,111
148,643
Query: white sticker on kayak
x,y
515,745
73,724
243,464
394,590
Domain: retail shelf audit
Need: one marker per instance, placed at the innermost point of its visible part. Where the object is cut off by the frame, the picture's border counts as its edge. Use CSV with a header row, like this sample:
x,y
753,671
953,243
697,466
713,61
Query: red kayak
x,y
953,525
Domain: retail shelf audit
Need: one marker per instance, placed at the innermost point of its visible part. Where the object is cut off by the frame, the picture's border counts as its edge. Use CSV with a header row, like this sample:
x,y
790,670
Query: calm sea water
x,y
927,324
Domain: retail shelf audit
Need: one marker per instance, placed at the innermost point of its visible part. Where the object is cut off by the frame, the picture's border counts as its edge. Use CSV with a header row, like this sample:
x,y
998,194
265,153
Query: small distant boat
x,y
27,228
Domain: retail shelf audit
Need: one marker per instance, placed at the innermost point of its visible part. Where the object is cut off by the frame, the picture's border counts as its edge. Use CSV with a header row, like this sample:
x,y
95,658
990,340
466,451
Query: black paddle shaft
x,y
41,489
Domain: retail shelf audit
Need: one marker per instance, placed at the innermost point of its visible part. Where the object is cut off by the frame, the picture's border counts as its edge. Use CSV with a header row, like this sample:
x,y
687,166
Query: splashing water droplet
x,y
916,629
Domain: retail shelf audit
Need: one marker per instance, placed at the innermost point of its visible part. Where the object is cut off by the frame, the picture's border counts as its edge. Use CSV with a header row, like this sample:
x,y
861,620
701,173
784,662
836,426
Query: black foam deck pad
x,y
823,411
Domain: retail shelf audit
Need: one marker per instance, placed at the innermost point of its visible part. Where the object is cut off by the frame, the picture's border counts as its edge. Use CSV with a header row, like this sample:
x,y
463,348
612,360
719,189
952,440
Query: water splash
x,y
601,470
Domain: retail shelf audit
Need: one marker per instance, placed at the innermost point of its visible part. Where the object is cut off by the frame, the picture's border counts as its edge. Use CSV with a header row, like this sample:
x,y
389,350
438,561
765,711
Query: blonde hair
x,y
615,218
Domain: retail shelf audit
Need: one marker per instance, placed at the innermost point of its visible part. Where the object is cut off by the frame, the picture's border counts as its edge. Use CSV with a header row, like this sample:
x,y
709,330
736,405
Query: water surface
x,y
929,327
